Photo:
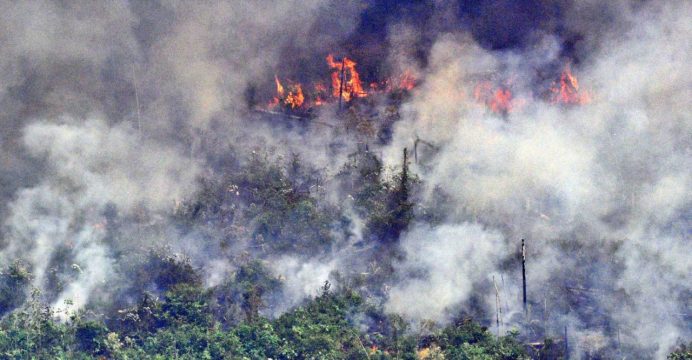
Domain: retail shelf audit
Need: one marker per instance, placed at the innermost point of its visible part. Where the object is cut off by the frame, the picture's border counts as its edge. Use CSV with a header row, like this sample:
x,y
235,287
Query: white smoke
x,y
614,172
442,266
612,175
92,165
301,278
105,104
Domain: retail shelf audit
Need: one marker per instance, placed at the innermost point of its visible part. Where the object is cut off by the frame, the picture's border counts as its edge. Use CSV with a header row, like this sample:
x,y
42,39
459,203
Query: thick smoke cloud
x,y
92,166
601,192
441,268
119,105
105,108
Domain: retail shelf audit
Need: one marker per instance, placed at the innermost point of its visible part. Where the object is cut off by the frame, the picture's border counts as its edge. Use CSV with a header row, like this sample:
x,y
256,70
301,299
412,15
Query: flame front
x,y
566,90
293,99
279,87
346,71
407,80
499,100
346,85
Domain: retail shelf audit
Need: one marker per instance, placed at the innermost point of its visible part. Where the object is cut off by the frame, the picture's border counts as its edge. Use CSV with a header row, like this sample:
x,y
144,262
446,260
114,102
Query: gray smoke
x,y
601,191
119,105
106,105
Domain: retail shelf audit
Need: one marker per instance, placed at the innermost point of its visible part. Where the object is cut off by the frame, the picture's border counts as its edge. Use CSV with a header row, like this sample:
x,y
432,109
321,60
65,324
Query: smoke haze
x,y
121,107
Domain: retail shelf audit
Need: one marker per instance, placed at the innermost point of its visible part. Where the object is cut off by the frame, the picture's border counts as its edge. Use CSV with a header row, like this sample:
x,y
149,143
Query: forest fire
x,y
407,81
345,86
293,99
346,82
566,90
345,179
499,100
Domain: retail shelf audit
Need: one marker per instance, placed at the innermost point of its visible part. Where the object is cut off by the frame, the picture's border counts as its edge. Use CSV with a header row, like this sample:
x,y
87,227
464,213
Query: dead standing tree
x,y
523,275
341,83
498,308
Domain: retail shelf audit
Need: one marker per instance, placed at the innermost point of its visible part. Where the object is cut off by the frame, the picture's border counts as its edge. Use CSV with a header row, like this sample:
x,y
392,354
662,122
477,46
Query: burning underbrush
x,y
345,86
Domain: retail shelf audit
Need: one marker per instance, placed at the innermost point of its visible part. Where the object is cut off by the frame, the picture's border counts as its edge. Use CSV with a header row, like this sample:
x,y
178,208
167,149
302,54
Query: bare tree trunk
x,y
523,273
498,308
343,78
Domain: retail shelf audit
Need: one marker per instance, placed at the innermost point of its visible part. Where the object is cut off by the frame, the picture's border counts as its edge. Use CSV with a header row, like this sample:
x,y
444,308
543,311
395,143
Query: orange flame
x,y
320,88
499,100
320,94
294,98
352,86
279,92
279,87
566,90
407,81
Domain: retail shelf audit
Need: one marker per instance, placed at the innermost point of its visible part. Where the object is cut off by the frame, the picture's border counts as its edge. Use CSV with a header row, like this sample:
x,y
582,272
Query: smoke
x,y
92,166
122,106
301,279
105,109
442,266
601,191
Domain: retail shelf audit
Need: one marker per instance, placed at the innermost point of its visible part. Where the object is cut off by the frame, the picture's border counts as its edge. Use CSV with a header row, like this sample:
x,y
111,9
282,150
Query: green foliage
x,y
180,326
90,336
186,304
164,271
469,340
14,281
32,332
241,297
683,352
271,202
140,319
185,342
320,330
260,340
287,217
385,203
164,311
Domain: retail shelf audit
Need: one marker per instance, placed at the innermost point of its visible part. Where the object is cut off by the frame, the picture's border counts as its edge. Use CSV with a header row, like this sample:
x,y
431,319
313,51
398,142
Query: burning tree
x,y
566,90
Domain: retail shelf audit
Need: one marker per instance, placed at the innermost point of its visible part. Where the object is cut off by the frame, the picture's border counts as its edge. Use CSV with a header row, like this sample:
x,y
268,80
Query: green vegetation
x,y
158,304
182,325
683,352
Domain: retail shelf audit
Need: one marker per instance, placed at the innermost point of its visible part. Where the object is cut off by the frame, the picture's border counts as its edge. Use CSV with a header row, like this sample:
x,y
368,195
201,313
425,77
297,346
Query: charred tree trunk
x,y
403,188
400,208
341,83
523,273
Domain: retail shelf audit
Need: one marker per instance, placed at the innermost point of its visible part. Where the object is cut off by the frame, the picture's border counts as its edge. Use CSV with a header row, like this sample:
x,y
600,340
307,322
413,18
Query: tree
x,y
14,281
